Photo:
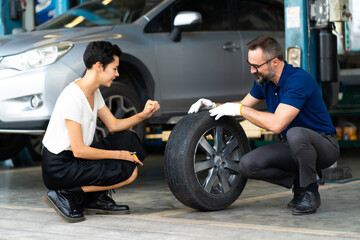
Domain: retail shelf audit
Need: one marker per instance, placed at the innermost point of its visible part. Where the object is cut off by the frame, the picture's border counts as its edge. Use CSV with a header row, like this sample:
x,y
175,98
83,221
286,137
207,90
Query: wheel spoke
x,y
132,109
206,146
230,147
223,179
218,139
102,131
109,103
232,165
209,182
201,166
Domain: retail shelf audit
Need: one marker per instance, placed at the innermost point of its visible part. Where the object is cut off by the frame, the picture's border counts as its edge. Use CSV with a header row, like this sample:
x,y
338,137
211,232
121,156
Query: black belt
x,y
330,135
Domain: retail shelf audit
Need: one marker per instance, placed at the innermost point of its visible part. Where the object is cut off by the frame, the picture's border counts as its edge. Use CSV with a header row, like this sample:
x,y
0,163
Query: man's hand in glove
x,y
227,109
201,104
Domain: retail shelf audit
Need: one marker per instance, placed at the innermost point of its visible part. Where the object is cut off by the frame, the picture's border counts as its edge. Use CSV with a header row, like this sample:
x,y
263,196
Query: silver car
x,y
173,51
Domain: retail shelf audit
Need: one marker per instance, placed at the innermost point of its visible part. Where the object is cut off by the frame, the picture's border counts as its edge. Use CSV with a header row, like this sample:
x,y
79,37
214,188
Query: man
x,y
297,112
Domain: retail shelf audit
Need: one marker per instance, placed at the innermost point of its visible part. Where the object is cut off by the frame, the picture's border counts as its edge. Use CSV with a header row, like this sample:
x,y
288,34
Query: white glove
x,y
201,104
227,109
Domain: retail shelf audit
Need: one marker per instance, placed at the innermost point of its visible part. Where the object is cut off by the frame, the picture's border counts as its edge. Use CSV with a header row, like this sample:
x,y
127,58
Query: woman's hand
x,y
150,108
129,156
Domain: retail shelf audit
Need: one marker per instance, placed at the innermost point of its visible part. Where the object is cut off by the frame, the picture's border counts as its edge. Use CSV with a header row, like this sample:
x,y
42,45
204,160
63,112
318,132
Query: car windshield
x,y
100,13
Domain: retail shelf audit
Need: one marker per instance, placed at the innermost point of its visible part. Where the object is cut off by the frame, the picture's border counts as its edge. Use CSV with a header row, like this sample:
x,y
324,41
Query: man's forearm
x,y
261,119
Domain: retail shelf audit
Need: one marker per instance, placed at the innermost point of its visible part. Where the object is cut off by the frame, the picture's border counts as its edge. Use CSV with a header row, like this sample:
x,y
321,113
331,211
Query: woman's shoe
x,y
67,204
102,203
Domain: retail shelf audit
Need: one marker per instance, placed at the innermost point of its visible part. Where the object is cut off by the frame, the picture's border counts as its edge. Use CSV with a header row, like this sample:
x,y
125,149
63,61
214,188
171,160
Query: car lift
x,y
311,44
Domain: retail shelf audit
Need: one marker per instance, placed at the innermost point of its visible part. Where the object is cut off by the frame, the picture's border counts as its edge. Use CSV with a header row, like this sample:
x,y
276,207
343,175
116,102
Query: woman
x,y
71,165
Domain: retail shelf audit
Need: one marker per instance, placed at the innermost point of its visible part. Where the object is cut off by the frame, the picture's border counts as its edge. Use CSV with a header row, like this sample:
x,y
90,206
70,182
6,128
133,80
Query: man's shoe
x,y
66,203
298,195
308,204
102,203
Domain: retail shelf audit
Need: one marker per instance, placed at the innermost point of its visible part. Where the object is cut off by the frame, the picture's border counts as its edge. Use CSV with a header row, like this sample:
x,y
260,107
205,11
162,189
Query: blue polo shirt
x,y
298,89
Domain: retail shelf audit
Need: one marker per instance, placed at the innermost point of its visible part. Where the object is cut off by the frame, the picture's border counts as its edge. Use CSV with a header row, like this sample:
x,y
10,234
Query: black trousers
x,y
295,159
64,171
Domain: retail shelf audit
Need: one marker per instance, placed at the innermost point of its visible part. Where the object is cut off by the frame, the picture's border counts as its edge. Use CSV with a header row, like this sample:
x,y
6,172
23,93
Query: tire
x,y
11,144
35,147
202,173
123,102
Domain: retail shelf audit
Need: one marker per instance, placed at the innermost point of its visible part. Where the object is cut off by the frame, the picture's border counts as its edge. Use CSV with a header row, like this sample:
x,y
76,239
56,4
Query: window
x,y
259,15
101,14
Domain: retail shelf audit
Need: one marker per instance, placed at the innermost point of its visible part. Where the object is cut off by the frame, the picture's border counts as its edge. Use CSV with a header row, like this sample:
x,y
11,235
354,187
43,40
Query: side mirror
x,y
186,20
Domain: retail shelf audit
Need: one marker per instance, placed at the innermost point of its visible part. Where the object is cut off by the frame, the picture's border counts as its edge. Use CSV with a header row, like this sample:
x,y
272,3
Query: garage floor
x,y
259,213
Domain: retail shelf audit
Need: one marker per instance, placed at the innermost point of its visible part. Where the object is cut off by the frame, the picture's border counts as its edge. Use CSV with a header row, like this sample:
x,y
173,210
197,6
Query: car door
x,y
204,63
254,18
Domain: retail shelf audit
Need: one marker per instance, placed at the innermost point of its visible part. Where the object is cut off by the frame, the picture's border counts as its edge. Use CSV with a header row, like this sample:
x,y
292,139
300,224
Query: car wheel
x,y
202,159
11,144
123,102
35,147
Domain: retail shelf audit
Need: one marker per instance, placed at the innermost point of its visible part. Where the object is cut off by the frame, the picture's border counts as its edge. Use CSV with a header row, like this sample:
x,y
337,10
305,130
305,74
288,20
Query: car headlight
x,y
35,57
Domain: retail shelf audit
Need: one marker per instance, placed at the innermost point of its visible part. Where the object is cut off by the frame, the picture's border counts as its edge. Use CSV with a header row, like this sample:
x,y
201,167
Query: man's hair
x,y
100,51
270,47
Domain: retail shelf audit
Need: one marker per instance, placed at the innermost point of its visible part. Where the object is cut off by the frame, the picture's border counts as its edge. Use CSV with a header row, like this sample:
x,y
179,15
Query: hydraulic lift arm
x,y
310,42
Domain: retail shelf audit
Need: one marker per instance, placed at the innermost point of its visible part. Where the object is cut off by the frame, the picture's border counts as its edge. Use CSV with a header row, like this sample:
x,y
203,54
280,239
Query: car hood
x,y
12,44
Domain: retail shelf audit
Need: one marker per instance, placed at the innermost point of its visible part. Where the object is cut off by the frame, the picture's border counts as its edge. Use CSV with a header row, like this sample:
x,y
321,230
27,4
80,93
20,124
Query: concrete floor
x,y
259,213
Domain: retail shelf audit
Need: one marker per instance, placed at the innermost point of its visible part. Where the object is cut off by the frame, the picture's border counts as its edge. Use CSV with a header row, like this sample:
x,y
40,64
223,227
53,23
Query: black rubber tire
x,y
123,102
209,179
11,144
34,146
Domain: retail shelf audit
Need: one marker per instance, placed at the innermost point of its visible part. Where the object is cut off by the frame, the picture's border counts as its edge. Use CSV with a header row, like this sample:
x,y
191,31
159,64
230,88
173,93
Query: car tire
x,y
35,147
11,144
123,102
202,173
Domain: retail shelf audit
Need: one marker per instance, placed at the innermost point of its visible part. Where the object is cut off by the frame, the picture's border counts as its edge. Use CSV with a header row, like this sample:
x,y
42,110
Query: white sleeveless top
x,y
73,105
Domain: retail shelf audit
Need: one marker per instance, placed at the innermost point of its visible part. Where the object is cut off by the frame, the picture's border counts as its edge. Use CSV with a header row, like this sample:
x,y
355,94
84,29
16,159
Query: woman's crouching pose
x,y
78,173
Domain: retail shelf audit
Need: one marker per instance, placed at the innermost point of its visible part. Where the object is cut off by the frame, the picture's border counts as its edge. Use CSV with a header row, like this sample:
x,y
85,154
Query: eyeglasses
x,y
259,66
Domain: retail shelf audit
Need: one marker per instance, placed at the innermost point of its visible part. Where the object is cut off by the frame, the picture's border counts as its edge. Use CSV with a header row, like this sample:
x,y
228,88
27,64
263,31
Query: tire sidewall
x,y
11,144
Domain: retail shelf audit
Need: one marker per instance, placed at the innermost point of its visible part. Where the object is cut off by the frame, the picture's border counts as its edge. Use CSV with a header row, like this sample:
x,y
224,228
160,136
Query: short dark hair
x,y
268,45
100,51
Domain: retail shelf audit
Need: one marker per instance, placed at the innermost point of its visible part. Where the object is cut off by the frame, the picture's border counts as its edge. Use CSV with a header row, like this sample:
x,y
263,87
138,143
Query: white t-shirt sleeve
x,y
71,106
98,98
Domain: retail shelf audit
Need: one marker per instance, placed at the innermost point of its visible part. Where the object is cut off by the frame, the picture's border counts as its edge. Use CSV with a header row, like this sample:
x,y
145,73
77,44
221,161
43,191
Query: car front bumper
x,y
19,88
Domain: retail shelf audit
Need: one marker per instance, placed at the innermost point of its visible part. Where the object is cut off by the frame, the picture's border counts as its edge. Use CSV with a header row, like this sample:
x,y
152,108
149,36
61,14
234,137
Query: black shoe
x,y
102,203
298,195
66,203
308,204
